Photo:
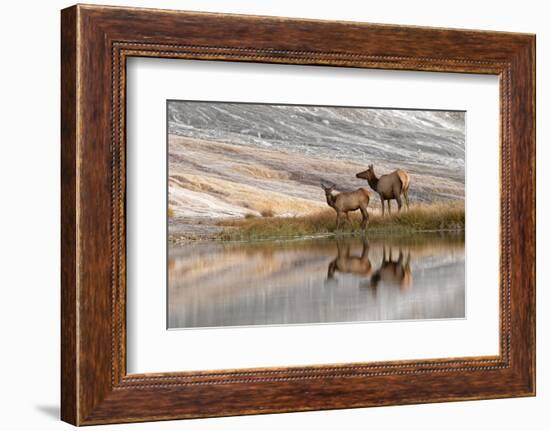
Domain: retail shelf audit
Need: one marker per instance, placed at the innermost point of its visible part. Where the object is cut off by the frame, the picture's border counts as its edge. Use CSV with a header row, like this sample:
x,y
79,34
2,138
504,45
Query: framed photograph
x,y
263,214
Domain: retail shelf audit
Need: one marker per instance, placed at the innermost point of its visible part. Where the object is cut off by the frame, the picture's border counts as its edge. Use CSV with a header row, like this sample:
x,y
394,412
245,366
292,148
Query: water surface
x,y
213,284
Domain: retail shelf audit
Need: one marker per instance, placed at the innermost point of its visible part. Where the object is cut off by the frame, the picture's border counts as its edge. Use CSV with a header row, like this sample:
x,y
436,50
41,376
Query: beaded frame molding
x,y
95,43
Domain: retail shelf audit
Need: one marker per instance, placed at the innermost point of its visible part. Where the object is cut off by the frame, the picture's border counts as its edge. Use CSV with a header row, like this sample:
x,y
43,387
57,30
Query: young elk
x,y
345,263
345,202
389,186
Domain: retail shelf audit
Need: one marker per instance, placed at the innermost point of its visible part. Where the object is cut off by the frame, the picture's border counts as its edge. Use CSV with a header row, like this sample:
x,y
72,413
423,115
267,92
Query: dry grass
x,y
171,212
248,196
267,212
262,172
429,217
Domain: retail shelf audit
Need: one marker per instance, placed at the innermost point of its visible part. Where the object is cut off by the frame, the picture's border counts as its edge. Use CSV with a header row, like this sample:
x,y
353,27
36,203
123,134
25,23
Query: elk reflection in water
x,y
393,273
346,263
316,281
389,272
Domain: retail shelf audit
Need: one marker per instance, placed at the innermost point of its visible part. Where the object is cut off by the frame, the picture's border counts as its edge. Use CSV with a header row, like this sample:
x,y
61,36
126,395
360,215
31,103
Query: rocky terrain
x,y
235,160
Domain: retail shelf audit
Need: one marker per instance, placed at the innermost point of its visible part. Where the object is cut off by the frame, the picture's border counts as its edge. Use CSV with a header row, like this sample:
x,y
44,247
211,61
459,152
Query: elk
x,y
393,273
345,202
344,263
389,186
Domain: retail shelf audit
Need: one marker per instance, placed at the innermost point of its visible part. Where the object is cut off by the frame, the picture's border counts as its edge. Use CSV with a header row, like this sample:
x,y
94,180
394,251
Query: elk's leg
x,y
397,193
339,248
338,217
331,269
366,248
348,219
406,196
365,215
382,201
347,256
389,206
398,199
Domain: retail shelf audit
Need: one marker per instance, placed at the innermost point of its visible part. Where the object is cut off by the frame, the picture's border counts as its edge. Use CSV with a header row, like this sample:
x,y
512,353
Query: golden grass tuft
x,y
267,212
448,216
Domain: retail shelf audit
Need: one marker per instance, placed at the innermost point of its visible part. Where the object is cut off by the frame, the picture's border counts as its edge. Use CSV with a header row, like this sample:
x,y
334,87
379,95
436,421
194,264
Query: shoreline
x,y
375,234
437,218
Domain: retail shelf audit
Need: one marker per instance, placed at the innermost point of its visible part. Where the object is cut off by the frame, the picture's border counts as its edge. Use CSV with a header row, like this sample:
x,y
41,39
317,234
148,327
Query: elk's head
x,y
328,188
368,174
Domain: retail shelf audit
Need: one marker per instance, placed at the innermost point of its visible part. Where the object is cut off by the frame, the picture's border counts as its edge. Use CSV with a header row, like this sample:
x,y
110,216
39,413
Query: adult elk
x,y
389,186
345,202
393,272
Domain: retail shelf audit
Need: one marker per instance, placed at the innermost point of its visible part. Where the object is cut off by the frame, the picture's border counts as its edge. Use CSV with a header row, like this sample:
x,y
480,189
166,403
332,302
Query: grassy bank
x,y
432,217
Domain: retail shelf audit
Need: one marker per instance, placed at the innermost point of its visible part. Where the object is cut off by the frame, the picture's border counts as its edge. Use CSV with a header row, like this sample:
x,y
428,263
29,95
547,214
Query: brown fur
x,y
389,186
344,263
393,273
344,202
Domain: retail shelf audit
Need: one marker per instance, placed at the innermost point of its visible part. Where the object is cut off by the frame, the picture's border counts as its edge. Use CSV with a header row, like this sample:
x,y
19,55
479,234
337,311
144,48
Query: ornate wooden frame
x,y
95,43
